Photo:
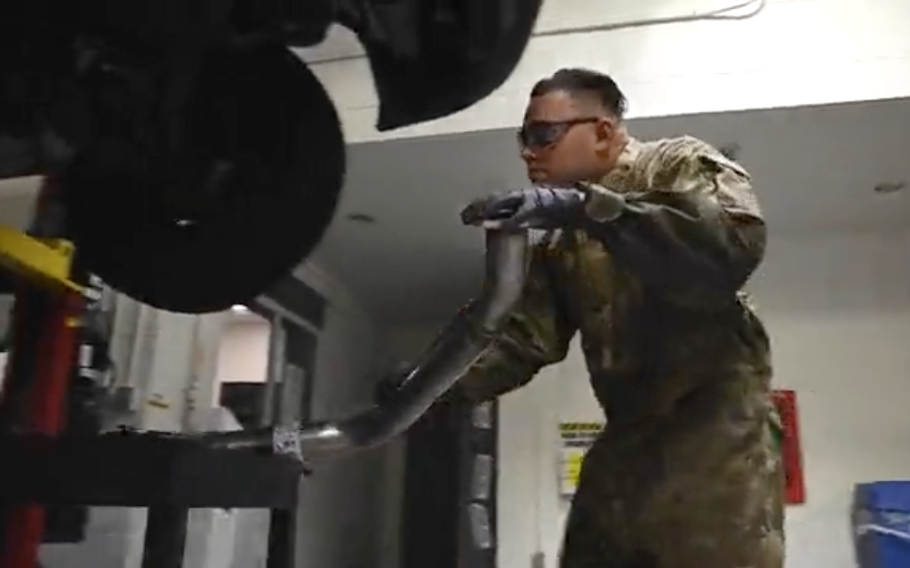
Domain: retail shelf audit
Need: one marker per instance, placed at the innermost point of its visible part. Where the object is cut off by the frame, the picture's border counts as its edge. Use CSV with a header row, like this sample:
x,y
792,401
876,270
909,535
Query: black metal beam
x,y
143,470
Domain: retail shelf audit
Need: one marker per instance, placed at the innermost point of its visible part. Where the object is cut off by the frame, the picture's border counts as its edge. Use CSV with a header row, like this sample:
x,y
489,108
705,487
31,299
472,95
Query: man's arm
x,y
696,236
537,333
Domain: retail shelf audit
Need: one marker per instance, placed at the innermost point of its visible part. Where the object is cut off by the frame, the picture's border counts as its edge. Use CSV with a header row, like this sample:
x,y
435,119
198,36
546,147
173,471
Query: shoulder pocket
x,y
718,162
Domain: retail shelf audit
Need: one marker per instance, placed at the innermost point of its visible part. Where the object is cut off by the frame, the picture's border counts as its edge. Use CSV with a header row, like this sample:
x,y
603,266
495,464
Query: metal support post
x,y
41,361
281,521
165,537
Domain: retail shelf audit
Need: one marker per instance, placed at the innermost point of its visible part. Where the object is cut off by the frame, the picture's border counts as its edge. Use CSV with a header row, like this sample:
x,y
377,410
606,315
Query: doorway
x,y
265,367
449,515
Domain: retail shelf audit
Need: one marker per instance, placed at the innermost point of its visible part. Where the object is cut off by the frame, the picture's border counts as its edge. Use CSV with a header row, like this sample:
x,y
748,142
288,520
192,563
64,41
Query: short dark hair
x,y
576,81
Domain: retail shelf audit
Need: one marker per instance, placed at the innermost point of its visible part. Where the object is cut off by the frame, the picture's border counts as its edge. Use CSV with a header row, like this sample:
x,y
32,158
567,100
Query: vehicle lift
x,y
43,466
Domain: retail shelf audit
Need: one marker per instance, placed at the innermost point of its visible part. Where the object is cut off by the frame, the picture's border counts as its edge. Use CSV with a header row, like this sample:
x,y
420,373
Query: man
x,y
647,247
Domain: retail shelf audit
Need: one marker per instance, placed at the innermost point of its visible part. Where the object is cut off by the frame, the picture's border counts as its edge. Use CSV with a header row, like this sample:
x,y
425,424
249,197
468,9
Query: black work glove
x,y
533,208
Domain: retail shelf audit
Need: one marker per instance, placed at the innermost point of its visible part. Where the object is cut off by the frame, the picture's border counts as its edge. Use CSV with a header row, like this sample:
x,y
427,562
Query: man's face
x,y
562,140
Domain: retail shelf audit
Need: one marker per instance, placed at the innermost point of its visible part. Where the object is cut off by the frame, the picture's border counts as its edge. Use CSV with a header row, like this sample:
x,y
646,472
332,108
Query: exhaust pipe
x,y
453,353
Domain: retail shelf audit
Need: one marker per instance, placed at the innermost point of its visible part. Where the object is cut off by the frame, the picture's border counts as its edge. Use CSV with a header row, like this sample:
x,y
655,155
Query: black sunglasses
x,y
543,133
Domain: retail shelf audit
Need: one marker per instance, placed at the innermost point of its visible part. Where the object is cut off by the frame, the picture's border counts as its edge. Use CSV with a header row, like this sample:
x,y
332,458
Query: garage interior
x,y
834,291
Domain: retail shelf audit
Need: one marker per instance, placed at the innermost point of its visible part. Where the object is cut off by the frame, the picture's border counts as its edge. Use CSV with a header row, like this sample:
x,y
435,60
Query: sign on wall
x,y
575,440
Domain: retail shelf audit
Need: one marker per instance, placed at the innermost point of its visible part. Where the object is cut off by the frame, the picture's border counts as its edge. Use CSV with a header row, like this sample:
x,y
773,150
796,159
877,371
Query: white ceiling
x,y
814,170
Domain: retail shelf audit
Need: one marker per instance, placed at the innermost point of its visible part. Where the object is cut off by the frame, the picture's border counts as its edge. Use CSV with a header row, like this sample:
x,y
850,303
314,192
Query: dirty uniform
x,y
686,473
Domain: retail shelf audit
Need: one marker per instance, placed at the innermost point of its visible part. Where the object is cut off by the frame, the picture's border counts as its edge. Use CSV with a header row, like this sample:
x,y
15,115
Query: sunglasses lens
x,y
538,134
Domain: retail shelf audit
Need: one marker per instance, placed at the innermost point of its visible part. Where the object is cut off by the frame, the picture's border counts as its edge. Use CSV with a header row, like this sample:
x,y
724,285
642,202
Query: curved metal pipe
x,y
456,349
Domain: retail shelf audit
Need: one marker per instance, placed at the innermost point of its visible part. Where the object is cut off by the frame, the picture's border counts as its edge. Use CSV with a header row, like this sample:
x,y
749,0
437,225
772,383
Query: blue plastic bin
x,y
881,524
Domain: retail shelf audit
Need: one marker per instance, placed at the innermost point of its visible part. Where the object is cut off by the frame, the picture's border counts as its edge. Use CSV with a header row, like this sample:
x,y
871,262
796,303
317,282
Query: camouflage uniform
x,y
686,474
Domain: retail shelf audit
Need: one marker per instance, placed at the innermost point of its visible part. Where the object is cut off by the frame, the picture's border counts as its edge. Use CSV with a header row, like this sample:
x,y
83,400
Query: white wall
x,y
244,352
791,53
341,508
838,311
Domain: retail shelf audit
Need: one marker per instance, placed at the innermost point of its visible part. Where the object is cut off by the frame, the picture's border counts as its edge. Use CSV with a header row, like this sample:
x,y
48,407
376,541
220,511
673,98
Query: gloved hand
x,y
533,208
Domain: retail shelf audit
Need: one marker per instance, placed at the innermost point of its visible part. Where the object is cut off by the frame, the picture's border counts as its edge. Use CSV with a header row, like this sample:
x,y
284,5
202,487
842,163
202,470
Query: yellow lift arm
x,y
44,262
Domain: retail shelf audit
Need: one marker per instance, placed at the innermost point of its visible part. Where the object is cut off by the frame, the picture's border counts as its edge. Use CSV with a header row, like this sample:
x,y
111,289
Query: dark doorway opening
x,y
449,515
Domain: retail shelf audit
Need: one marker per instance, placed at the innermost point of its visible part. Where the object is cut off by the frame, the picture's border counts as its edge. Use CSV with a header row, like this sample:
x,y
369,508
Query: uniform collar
x,y
624,163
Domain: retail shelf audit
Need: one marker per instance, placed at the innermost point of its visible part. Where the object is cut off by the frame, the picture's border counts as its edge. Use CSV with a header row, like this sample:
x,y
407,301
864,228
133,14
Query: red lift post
x,y
42,355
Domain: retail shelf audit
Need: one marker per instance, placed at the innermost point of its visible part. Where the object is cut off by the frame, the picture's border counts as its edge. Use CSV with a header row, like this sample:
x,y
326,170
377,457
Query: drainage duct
x,y
457,348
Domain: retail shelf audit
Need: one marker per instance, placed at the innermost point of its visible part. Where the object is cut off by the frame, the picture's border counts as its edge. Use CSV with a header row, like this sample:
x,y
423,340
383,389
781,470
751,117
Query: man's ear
x,y
605,131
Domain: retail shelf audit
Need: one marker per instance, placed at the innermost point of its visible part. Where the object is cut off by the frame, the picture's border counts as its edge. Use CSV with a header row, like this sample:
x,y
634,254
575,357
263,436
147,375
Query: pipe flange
x,y
286,441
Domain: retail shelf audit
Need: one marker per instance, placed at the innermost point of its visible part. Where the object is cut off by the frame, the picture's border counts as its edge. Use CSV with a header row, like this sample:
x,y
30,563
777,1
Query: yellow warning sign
x,y
571,470
576,438
567,427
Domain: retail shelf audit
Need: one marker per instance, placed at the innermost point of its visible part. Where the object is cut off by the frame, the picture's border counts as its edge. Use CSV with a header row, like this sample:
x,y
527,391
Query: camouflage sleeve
x,y
537,333
697,234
